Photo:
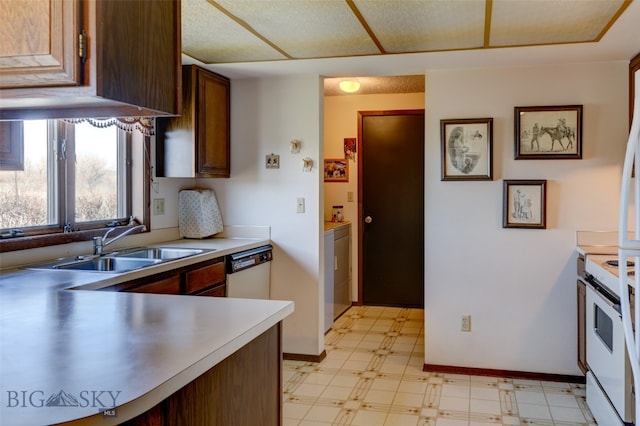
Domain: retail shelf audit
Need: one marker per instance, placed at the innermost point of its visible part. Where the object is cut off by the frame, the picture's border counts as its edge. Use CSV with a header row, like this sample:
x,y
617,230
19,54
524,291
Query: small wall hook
x,y
307,164
295,146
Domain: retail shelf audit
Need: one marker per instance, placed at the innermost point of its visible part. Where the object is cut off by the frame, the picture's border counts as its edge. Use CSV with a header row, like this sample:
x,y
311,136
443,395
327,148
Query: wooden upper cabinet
x,y
213,117
198,143
39,43
131,63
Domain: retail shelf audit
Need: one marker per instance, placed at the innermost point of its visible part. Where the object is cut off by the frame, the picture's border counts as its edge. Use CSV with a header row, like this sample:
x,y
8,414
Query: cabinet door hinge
x,y
82,46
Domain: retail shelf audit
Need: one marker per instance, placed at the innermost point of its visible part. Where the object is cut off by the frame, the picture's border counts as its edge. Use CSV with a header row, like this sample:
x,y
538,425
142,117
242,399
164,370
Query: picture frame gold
x,y
336,170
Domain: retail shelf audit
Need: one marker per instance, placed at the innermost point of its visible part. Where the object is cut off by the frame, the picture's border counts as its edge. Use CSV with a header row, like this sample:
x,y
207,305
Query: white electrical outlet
x,y
158,206
465,323
300,205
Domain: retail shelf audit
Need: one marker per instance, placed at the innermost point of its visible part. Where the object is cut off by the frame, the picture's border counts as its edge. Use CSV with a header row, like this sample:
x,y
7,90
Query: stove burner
x,y
614,262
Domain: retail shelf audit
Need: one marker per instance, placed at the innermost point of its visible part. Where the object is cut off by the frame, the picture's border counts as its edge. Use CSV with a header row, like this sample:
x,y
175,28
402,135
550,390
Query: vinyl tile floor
x,y
372,376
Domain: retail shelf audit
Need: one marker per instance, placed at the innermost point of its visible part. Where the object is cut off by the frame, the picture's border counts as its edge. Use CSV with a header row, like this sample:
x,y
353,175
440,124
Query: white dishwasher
x,y
248,273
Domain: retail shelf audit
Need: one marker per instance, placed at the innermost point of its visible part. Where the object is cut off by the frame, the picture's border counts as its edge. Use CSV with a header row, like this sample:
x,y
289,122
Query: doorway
x,y
391,208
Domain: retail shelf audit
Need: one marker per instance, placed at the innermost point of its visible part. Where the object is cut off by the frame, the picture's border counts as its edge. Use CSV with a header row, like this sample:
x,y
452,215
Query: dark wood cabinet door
x,y
203,278
138,59
203,129
207,278
168,285
582,326
219,291
213,121
132,58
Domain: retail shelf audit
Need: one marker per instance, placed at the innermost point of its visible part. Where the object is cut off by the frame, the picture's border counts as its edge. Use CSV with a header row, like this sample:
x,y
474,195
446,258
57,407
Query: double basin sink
x,y
122,260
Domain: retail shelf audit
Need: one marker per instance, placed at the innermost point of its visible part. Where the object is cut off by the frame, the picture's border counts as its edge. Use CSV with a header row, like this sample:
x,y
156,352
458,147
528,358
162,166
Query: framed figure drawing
x,y
550,132
524,204
467,149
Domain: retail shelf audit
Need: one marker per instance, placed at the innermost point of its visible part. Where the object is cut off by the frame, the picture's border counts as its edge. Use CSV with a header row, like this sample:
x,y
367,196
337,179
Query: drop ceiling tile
x,y
528,22
377,85
418,25
212,37
305,29
234,31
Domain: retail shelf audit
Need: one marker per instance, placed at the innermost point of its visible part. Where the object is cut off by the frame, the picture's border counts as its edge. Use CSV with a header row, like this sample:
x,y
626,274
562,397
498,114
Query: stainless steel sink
x,y
161,253
120,261
108,264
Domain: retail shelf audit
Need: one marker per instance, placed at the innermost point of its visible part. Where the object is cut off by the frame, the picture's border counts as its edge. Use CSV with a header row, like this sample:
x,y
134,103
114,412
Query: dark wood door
x,y
391,208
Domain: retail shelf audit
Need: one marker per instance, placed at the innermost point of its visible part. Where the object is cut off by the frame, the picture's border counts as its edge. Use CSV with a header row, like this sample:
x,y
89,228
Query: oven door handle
x,y
605,295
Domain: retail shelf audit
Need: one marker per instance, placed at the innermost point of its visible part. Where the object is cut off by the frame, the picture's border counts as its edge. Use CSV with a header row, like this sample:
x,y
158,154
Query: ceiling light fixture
x,y
349,86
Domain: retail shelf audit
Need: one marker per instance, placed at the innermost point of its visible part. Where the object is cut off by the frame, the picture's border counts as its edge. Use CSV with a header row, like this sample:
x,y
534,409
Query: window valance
x,y
144,125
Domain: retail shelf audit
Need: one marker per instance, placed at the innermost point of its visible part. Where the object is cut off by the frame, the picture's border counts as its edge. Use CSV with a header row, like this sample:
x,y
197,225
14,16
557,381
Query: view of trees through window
x,y
23,193
33,196
96,173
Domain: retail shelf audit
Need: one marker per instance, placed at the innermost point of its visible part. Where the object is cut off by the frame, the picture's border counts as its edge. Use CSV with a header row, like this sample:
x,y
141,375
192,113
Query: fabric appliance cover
x,y
199,214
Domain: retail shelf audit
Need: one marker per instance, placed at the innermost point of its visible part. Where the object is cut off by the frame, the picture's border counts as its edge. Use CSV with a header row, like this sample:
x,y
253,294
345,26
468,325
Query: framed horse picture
x,y
548,132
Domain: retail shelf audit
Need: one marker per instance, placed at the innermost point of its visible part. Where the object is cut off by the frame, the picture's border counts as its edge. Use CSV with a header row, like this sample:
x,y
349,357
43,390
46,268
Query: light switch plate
x,y
158,206
300,205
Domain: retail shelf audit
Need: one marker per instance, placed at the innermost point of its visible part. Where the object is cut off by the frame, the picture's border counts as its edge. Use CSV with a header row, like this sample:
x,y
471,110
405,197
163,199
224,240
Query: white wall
x,y
518,284
266,114
340,122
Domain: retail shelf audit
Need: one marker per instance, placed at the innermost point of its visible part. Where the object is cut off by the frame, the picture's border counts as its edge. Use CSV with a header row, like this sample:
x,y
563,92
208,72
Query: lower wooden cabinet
x,y
244,389
201,279
204,278
169,285
582,326
581,292
218,291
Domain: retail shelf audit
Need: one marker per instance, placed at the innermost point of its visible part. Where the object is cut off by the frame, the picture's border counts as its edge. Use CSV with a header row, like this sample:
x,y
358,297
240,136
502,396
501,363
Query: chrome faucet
x,y
99,243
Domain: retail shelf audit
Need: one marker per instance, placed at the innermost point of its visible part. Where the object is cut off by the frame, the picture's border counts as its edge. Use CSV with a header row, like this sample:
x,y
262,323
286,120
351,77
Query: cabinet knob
x,y
368,219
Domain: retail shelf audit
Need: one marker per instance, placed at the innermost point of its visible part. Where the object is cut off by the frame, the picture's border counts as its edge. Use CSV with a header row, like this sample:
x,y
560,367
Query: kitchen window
x,y
72,177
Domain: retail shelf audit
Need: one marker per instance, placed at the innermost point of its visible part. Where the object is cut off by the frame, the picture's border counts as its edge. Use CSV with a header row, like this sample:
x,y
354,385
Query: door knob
x,y
368,219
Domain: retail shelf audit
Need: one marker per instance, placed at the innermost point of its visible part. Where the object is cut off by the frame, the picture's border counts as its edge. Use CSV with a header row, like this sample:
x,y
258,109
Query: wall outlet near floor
x,y
158,206
465,323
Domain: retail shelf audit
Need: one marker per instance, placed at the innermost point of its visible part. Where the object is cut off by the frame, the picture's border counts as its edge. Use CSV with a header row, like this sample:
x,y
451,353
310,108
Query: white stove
x,y
609,379
604,268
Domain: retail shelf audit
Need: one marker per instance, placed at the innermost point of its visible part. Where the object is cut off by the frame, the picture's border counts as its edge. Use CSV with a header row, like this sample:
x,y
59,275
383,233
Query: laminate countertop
x,y
330,226
67,353
587,250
